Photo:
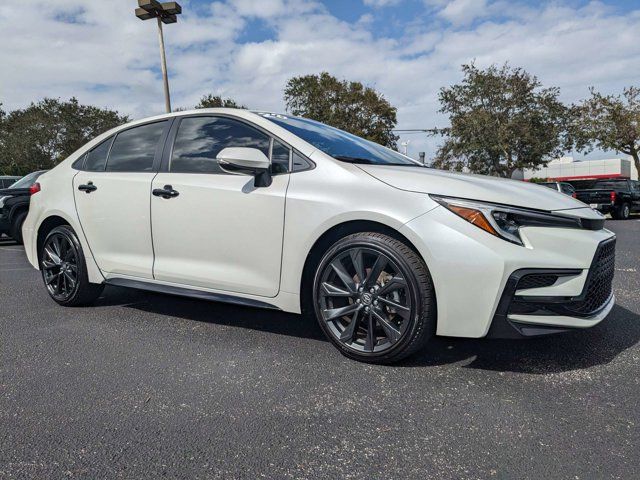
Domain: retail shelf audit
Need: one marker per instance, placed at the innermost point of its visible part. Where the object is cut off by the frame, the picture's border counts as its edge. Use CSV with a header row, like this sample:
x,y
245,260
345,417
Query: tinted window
x,y
279,158
200,139
338,143
300,163
97,158
619,185
134,150
566,188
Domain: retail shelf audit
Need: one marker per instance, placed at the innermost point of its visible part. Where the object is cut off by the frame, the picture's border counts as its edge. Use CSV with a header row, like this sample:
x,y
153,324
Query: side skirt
x,y
188,292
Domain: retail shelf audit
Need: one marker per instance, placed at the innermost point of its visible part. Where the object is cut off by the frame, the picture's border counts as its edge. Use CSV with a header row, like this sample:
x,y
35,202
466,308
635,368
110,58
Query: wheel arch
x,y
329,237
45,227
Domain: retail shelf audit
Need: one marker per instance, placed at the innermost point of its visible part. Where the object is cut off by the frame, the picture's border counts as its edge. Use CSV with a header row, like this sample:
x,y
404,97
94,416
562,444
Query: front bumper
x,y
476,277
522,315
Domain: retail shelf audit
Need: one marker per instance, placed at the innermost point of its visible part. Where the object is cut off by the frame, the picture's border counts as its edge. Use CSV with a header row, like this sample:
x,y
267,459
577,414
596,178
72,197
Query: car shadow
x,y
270,321
573,350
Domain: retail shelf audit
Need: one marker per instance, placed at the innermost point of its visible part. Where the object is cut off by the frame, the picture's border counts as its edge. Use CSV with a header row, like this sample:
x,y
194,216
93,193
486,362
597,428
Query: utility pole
x,y
166,12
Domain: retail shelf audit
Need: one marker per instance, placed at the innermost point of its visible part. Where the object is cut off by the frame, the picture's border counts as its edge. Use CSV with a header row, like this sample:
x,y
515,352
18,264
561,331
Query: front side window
x,y
134,149
280,155
200,139
339,144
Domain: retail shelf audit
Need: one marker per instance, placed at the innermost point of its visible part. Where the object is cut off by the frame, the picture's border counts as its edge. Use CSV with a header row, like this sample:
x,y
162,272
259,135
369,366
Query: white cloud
x,y
463,12
110,58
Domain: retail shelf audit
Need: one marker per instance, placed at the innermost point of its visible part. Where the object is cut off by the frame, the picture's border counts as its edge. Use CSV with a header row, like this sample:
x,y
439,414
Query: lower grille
x,y
599,284
536,280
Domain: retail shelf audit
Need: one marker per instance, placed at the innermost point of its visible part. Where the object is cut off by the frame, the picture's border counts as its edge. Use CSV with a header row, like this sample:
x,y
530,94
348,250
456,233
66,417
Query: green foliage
x,y
43,134
609,123
349,106
501,120
216,101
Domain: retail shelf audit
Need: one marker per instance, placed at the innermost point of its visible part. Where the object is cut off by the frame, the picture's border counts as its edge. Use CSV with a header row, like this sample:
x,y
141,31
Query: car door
x,y
220,231
112,193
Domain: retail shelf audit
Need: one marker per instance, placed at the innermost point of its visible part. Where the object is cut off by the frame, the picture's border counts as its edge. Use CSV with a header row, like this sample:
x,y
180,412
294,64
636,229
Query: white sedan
x,y
281,212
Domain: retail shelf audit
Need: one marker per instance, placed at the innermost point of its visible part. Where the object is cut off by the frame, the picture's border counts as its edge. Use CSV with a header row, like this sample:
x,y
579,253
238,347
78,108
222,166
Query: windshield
x,y
338,143
27,180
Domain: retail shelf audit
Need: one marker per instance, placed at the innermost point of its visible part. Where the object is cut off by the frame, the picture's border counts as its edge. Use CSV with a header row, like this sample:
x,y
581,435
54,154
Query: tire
x,y
62,264
374,298
624,212
15,231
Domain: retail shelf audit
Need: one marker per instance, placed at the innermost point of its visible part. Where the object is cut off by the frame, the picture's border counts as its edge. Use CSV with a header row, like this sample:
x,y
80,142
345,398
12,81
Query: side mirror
x,y
247,160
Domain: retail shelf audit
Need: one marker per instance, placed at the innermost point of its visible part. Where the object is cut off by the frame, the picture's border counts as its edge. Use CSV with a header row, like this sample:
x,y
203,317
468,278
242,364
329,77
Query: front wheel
x,y
374,298
64,270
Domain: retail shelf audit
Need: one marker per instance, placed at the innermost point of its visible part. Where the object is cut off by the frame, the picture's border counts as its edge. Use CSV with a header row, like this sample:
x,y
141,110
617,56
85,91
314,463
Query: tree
x,y
610,123
43,134
342,104
216,101
501,120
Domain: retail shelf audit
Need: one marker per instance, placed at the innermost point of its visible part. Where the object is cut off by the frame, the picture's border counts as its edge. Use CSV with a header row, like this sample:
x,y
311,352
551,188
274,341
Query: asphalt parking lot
x,y
145,386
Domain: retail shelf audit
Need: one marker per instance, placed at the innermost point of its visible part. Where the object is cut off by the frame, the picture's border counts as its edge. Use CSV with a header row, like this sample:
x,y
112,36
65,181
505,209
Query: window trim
x,y
172,134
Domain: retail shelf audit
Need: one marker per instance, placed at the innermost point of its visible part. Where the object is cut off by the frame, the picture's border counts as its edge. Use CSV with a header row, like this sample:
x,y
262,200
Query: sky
x,y
99,52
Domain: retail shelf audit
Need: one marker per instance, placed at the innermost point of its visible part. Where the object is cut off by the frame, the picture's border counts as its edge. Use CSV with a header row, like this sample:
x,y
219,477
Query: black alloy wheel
x,y
64,269
374,298
60,266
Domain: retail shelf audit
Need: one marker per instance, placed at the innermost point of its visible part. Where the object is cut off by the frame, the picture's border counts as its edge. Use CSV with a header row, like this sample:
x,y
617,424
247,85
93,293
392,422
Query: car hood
x,y
473,187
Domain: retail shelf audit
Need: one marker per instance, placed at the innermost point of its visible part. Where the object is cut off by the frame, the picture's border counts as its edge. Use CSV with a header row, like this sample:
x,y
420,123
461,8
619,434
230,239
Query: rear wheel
x,y
625,211
15,231
374,298
64,270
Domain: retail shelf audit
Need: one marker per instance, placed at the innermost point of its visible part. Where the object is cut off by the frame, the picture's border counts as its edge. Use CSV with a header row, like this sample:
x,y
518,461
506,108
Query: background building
x,y
568,169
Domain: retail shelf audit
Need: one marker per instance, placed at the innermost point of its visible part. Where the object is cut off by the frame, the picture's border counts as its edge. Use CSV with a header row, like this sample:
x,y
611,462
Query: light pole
x,y
166,12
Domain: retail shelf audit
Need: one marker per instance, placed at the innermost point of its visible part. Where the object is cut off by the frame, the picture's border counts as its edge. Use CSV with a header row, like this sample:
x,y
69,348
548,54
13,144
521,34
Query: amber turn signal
x,y
474,217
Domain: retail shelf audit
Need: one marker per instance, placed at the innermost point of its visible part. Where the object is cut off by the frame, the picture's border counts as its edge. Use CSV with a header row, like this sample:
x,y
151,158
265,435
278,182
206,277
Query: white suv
x,y
282,212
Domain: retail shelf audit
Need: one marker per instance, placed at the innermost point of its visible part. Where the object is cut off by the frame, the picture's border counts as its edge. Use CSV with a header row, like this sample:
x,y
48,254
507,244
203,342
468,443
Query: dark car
x,y
562,187
14,205
7,180
619,197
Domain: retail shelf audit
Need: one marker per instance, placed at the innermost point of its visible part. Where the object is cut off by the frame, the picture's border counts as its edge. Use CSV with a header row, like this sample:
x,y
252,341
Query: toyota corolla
x,y
276,211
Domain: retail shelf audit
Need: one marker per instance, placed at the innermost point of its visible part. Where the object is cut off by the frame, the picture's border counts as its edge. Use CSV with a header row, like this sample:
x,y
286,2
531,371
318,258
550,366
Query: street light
x,y
165,12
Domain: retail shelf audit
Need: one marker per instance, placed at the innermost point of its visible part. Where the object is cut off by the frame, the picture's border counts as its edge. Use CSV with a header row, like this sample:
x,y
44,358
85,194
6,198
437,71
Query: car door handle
x,y
88,188
166,192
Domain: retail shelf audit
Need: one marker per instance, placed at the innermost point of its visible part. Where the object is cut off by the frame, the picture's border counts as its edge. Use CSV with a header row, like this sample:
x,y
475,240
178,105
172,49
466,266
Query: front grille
x,y
536,280
598,287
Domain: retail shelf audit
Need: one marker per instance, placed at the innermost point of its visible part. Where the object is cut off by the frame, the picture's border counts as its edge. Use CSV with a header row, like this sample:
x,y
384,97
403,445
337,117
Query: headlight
x,y
502,220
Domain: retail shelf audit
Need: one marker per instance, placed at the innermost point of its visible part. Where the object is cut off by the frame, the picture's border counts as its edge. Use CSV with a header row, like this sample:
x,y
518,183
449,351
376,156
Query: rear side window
x,y
200,139
96,159
134,149
610,185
